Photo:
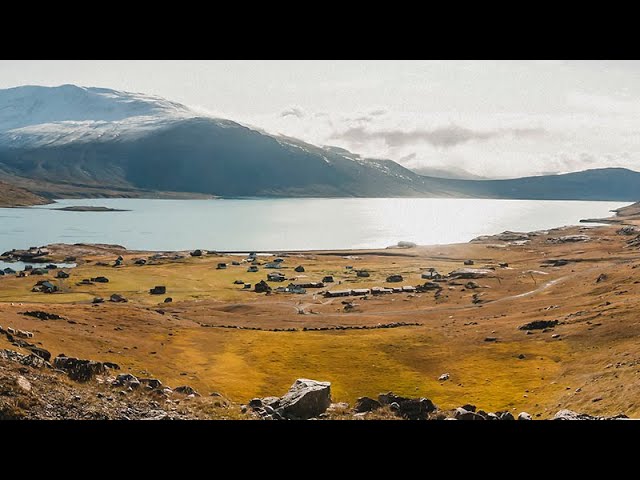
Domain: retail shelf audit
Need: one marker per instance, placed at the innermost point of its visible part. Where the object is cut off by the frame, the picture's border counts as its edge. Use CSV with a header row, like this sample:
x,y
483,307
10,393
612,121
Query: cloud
x,y
294,112
443,137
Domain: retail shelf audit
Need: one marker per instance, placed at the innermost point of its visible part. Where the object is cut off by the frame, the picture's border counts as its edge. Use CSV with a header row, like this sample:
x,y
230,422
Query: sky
x,y
492,119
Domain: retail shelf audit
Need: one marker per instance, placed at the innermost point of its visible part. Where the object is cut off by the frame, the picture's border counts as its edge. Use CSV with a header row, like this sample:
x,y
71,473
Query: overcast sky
x,y
491,118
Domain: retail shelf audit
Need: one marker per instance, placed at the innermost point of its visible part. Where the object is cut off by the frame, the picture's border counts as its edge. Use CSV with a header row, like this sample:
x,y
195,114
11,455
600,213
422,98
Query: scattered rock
x,y
186,390
444,377
97,300
409,408
168,300
469,262
601,278
23,383
521,356
366,404
126,380
490,339
464,414
78,370
505,415
117,298
158,290
40,315
299,269
100,280
524,416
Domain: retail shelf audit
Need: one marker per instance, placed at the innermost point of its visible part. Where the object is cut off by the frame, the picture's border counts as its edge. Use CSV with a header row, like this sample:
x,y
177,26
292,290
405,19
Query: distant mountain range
x,y
76,141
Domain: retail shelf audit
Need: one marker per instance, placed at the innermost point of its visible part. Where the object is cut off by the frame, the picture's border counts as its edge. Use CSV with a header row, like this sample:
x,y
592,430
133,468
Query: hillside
x,y
71,141
12,196
597,184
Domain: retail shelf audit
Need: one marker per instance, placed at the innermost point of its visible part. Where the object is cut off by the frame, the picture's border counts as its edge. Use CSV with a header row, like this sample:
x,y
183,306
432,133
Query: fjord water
x,y
285,224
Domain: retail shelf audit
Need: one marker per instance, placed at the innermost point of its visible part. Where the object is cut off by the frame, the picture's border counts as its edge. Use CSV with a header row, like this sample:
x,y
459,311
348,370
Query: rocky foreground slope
x,y
71,389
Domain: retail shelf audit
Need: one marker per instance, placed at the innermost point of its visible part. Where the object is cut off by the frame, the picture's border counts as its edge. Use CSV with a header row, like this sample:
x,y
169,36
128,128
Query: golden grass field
x,y
593,366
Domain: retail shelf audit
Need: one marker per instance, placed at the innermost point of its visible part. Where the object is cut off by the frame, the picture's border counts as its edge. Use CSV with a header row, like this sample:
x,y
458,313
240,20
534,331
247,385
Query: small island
x,y
80,208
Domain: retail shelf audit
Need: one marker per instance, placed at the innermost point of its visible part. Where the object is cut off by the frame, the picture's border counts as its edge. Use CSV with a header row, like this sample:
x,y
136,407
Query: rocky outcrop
x,y
571,415
366,404
538,325
409,408
77,369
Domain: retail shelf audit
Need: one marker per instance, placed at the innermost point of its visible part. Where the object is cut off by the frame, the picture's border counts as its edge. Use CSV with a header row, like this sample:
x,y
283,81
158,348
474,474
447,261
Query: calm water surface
x,y
285,224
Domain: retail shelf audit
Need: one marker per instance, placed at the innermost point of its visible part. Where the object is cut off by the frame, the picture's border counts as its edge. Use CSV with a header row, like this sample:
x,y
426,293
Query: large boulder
x,y
306,399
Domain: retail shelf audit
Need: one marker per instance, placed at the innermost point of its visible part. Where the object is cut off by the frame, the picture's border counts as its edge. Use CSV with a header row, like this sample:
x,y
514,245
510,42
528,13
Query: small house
x,y
48,287
409,289
237,264
337,293
394,278
62,274
363,274
381,291
327,279
308,284
262,287
272,265
158,290
252,269
299,269
359,292
279,260
238,282
275,277
221,266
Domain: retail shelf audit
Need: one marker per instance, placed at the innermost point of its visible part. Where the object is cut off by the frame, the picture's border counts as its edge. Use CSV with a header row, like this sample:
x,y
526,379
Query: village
x,y
504,321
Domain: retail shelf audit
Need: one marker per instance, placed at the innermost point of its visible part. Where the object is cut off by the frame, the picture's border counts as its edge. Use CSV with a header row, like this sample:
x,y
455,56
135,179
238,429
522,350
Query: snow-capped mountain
x,y
101,136
71,140
37,116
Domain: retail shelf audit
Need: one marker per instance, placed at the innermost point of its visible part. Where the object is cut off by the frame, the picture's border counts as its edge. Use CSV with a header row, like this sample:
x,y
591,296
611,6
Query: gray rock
x,y
571,415
186,390
409,408
306,399
464,414
524,416
126,380
366,404
505,415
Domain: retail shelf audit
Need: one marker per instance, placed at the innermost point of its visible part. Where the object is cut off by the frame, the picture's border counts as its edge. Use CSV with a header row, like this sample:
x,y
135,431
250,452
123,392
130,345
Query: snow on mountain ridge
x,y
36,116
33,105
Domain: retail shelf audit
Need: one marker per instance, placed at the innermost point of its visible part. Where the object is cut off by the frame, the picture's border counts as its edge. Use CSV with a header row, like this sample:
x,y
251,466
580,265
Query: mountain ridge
x,y
68,139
